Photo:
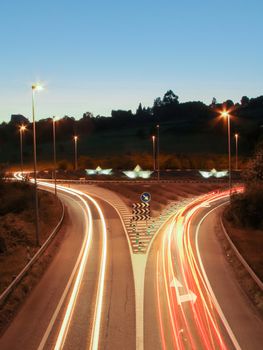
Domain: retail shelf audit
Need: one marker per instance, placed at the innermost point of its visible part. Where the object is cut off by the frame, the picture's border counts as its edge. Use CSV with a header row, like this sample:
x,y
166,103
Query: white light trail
x,y
94,341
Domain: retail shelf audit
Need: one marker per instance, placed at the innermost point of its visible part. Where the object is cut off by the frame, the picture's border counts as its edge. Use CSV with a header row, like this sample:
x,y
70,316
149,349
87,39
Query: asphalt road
x,y
105,299
192,299
28,327
241,315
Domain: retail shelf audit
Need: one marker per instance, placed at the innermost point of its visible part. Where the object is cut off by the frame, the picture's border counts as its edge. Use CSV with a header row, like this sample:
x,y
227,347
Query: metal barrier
x,y
38,254
256,279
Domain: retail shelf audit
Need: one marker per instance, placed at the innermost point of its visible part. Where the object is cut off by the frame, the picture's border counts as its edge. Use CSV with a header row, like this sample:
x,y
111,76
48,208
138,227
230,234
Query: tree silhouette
x,y
244,101
170,98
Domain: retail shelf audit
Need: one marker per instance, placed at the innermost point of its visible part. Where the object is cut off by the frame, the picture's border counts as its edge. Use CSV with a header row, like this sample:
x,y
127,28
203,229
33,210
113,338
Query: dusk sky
x,y
98,56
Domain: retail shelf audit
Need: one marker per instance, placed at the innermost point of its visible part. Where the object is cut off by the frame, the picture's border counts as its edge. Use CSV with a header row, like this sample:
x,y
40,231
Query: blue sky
x,y
103,55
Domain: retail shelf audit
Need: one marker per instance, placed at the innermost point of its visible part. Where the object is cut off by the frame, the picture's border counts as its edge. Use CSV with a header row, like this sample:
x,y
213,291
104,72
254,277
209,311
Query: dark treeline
x,y
174,118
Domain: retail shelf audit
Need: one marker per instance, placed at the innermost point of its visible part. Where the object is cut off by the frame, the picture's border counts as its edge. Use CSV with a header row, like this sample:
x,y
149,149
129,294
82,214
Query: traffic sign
x,y
145,197
140,211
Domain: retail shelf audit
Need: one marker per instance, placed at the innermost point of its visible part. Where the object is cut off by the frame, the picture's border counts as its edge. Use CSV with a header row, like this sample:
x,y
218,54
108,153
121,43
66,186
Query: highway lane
x,y
103,307
244,320
118,319
117,329
32,319
182,310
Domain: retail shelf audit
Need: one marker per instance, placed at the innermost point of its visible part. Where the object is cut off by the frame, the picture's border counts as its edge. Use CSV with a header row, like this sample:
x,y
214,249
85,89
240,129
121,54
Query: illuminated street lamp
x,y
35,87
158,151
236,138
154,155
54,154
22,128
225,114
76,151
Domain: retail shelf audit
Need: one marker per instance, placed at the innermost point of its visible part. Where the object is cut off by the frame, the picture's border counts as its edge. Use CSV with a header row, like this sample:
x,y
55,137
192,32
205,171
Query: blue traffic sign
x,y
145,197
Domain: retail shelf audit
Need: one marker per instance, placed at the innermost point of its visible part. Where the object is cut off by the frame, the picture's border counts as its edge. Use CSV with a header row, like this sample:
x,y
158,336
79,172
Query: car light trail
x,y
98,309
193,312
94,341
81,264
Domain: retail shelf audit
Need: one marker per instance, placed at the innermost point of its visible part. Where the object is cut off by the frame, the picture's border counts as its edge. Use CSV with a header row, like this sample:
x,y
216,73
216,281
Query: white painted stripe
x,y
219,310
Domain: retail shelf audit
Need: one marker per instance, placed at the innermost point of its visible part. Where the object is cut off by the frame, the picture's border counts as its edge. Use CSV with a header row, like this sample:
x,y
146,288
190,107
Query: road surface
x,y
94,307
192,299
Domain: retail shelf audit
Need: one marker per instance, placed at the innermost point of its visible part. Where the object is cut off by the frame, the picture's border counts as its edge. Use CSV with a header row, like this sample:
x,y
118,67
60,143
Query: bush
x,y
15,197
246,209
2,245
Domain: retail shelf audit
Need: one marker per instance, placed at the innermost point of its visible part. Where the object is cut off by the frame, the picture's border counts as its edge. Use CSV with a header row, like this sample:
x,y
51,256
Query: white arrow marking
x,y
182,298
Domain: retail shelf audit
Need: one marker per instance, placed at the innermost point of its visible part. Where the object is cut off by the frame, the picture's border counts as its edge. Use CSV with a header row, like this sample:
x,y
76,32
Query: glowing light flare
x,y
22,128
138,172
37,87
98,171
213,172
225,114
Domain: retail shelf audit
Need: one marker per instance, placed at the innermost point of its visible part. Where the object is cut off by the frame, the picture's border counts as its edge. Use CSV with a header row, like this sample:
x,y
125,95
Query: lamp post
x,y
22,128
54,154
76,151
35,87
158,151
236,138
154,155
226,114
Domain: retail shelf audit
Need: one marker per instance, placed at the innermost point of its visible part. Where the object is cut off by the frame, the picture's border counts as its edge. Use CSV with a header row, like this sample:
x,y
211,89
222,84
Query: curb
x,y
241,259
37,255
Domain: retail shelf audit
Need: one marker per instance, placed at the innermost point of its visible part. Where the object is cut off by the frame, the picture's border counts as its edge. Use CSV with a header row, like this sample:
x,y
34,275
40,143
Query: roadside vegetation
x,y
243,220
246,209
17,238
191,134
17,226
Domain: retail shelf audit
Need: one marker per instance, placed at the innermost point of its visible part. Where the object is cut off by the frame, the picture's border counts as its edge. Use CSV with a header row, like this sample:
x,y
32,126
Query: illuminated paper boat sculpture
x,y
213,172
98,171
138,172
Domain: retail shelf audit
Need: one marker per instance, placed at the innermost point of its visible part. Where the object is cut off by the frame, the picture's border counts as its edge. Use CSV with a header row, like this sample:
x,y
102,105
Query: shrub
x,y
15,197
246,209
2,245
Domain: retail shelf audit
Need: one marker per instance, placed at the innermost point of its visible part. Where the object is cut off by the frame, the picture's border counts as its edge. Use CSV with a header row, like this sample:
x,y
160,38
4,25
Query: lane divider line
x,y
216,303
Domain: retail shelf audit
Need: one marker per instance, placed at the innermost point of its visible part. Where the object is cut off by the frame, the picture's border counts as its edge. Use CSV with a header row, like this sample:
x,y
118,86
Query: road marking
x,y
182,298
84,248
219,310
94,344
98,309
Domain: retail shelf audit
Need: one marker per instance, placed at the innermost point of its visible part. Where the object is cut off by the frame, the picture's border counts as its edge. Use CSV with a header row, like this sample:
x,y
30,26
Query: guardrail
x,y
86,181
37,255
256,279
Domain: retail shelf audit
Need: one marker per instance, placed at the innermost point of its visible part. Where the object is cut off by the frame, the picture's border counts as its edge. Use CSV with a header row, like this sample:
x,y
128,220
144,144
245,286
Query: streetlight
x,y
35,87
76,151
158,151
154,155
22,128
54,154
225,114
236,138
